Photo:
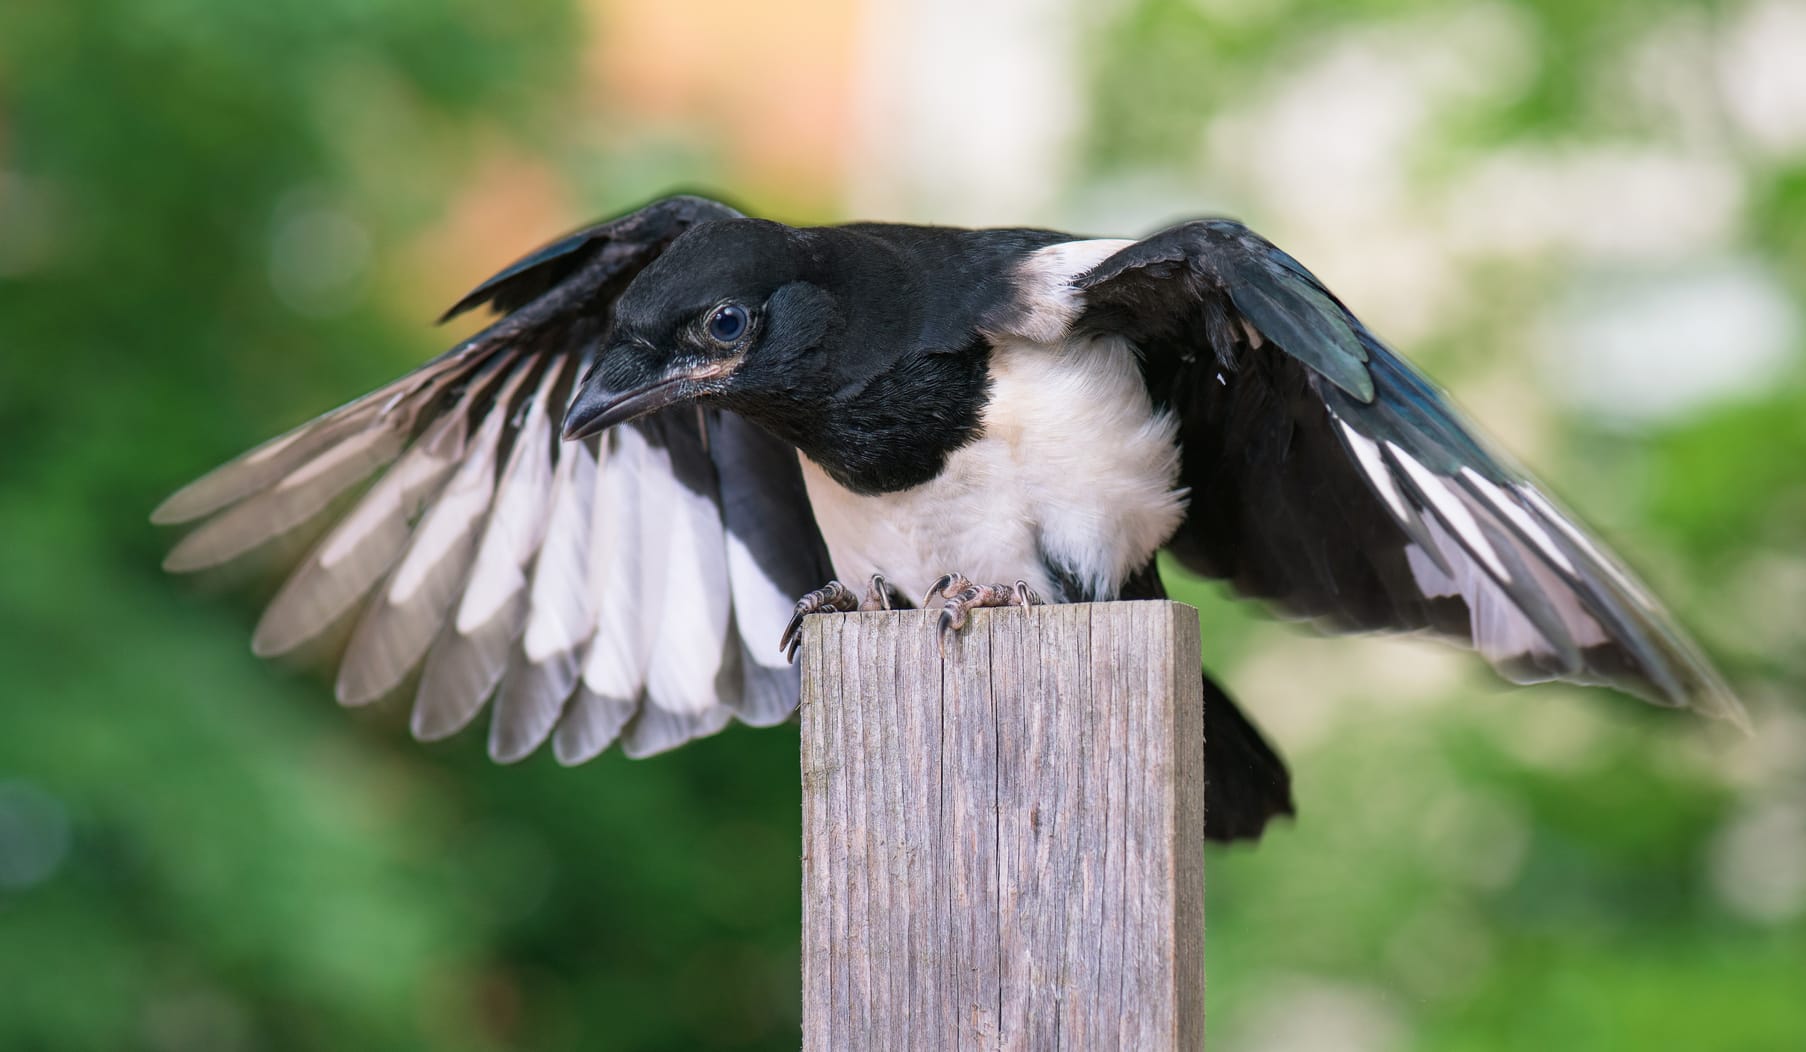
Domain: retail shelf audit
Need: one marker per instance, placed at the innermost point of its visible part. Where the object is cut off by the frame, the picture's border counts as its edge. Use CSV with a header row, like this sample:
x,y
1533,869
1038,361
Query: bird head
x,y
734,309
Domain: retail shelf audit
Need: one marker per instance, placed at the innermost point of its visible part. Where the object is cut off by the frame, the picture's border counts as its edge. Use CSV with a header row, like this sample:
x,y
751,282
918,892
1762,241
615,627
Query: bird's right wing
x,y
632,586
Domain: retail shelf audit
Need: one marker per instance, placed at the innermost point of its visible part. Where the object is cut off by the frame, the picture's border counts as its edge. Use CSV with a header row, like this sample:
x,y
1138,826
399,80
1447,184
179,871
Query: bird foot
x,y
957,596
832,597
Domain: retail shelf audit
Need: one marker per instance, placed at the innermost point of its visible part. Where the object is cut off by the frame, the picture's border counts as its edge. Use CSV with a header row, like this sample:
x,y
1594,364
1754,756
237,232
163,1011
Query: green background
x,y
198,850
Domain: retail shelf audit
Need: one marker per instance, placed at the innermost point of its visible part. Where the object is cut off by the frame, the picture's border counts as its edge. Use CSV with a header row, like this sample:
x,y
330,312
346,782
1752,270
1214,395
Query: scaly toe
x,y
832,596
959,597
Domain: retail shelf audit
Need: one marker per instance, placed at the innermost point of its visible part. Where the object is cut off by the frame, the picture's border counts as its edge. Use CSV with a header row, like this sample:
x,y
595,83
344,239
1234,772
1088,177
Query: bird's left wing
x,y
631,587
1332,480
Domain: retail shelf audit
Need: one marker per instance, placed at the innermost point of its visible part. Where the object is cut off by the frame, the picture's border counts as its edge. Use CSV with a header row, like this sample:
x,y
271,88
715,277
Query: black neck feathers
x,y
893,431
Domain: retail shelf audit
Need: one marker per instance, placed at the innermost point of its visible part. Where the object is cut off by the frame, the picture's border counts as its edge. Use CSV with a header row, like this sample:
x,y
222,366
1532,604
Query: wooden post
x,y
1003,845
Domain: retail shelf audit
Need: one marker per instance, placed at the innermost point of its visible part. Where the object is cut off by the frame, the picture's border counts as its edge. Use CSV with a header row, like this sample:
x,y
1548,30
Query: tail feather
x,y
1246,784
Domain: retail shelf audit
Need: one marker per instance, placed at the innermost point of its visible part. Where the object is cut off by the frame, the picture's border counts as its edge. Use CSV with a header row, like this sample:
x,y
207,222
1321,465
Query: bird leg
x,y
832,597
957,596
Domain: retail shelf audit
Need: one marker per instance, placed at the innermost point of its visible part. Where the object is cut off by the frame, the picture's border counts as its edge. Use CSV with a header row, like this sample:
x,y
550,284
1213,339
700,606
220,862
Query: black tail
x,y
1245,781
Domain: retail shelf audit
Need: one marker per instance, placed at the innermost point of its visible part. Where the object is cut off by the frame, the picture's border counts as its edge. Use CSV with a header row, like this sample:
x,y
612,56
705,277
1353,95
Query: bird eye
x,y
728,323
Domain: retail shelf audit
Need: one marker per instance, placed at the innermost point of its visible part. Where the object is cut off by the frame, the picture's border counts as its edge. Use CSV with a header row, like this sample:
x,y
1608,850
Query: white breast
x,y
1072,466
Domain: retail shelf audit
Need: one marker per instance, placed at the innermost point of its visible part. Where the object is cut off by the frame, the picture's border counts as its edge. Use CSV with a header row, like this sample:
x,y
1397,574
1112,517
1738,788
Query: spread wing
x,y
1332,480
632,587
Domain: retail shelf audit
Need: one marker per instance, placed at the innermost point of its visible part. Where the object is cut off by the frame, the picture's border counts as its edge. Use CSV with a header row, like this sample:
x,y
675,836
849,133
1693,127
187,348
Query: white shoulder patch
x,y
1046,303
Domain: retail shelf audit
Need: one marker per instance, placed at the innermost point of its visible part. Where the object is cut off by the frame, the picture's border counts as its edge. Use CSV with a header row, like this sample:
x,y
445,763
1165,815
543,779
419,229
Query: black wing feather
x,y
1330,479
613,250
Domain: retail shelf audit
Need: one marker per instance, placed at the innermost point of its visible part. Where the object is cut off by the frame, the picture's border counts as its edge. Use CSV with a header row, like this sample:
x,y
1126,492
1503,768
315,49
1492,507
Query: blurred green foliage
x,y
200,851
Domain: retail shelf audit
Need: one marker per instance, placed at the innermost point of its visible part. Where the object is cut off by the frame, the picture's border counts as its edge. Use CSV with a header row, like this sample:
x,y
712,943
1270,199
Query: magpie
x,y
600,510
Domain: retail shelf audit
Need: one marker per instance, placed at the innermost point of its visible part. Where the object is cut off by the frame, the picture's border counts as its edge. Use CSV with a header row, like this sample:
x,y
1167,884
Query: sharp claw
x,y
938,587
792,637
877,594
948,623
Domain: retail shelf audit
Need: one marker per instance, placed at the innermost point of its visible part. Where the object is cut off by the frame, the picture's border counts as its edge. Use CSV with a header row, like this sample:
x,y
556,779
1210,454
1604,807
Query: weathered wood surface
x,y
1003,845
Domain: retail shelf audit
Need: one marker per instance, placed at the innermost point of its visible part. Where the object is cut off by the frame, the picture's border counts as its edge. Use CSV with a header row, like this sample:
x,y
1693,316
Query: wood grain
x,y
1003,844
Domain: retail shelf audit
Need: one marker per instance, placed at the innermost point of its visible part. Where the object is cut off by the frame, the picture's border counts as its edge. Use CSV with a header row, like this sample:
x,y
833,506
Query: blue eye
x,y
728,323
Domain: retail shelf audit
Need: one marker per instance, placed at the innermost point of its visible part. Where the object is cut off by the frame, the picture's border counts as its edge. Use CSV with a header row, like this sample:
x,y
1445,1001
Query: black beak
x,y
597,409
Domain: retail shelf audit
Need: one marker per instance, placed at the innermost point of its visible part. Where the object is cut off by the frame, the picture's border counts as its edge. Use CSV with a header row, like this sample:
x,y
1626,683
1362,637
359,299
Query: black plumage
x,y
750,408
